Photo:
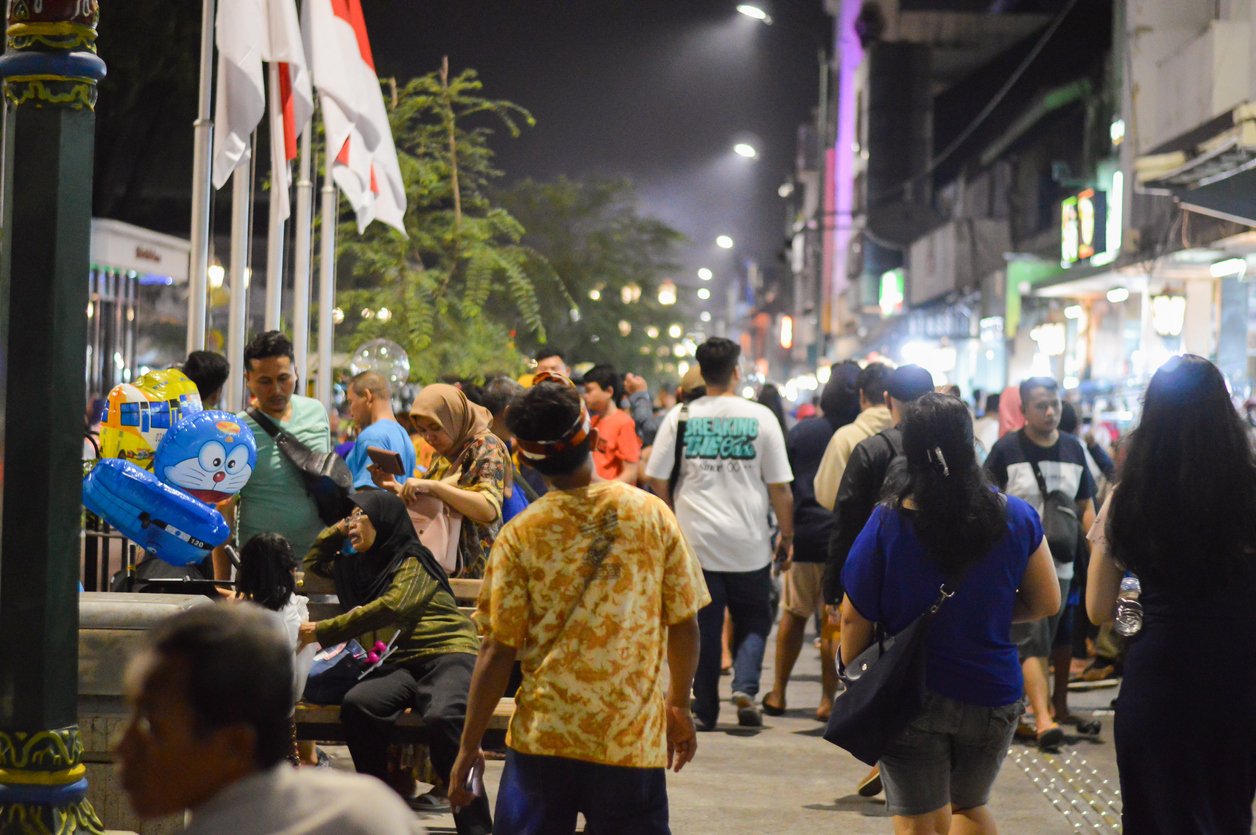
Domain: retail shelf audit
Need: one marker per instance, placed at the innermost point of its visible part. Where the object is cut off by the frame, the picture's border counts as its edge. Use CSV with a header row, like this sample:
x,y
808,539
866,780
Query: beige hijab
x,y
461,419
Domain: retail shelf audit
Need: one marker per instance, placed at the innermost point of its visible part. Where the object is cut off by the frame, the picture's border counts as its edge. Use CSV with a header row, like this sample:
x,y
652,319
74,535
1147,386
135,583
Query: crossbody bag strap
x,y
678,453
263,421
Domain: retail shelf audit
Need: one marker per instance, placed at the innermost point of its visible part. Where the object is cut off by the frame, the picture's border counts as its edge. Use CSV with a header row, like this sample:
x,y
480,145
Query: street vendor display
x,y
205,458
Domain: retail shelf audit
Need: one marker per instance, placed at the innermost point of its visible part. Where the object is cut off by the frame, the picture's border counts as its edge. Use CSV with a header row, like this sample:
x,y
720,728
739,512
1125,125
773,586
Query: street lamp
x,y
744,150
754,12
705,274
724,242
705,316
704,293
675,331
667,293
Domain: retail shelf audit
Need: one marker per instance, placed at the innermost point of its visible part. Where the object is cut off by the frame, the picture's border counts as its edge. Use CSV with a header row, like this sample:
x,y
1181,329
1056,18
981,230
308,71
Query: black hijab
x,y
362,577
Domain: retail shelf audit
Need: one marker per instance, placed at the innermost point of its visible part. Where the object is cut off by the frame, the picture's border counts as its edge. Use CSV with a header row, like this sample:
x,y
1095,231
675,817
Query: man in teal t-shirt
x,y
370,406
274,500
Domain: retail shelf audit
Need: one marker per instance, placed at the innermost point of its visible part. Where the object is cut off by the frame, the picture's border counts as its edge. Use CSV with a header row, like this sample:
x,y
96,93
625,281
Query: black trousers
x,y
437,689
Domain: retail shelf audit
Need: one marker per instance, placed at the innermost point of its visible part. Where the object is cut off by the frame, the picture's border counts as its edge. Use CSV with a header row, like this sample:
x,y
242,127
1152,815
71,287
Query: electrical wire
x,y
985,112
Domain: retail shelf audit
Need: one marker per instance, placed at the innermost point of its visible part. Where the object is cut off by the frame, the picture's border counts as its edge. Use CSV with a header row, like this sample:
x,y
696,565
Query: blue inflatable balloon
x,y
209,455
160,519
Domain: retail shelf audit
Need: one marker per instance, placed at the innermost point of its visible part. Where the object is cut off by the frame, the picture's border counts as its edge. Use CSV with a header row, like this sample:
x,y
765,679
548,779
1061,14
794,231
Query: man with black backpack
x,y
276,499
1047,469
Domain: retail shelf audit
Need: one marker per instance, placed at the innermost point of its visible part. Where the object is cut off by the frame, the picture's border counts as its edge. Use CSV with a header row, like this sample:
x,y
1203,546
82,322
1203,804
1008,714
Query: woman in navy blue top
x,y
1182,518
948,523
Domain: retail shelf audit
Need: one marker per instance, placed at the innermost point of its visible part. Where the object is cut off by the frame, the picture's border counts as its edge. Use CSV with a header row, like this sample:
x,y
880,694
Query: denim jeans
x,y
745,594
541,796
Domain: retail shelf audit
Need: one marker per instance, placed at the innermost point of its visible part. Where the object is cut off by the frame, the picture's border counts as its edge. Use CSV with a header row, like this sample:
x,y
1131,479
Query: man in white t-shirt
x,y
733,470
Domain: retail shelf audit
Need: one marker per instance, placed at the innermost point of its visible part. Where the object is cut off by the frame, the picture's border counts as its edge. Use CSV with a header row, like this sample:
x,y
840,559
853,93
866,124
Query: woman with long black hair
x,y
389,582
1182,519
948,525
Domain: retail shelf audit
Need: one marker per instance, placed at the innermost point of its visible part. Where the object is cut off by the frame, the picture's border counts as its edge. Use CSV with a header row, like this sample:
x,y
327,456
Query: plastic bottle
x,y
1129,611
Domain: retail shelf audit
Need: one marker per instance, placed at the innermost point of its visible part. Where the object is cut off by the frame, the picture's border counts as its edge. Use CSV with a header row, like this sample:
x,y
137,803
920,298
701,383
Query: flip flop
x,y
771,709
1051,739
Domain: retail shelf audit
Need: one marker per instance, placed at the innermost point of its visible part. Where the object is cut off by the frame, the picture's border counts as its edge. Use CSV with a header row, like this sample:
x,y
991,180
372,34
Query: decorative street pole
x,y
49,71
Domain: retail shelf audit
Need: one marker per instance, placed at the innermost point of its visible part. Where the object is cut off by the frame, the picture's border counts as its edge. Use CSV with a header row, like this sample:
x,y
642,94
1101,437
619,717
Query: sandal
x,y
1087,727
771,709
1051,739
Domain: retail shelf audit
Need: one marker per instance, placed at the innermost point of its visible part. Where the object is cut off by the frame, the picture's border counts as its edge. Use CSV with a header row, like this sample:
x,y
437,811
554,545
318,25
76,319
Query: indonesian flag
x,y
248,33
359,138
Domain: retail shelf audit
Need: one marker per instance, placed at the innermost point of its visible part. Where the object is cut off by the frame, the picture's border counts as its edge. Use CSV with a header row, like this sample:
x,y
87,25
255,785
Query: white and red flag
x,y
250,32
359,138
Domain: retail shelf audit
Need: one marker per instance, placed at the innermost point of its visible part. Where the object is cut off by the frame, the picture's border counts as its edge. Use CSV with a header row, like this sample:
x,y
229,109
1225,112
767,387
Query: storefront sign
x,y
891,297
1083,226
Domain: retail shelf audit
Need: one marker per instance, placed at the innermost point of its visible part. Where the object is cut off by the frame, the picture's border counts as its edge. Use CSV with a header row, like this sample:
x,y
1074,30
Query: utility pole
x,y
49,71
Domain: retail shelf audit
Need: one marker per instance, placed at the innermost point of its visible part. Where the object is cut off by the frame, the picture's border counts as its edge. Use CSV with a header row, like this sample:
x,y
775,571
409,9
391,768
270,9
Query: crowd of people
x,y
631,548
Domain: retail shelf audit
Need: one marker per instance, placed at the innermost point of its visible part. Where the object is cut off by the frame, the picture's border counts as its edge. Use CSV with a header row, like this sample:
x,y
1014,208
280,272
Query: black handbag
x,y
885,688
335,671
327,478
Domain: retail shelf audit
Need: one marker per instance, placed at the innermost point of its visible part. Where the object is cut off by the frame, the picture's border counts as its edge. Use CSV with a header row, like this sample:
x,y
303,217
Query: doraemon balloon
x,y
209,455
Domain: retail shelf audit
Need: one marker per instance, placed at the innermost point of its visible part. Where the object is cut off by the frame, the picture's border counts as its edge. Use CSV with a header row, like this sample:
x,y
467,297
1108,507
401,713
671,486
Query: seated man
x,y
211,702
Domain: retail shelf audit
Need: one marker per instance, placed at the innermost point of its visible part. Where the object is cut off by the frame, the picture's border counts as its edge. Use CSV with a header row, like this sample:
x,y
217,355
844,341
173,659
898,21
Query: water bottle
x,y
1129,611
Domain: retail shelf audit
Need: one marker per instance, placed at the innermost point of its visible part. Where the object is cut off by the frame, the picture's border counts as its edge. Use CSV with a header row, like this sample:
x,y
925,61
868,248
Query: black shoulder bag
x,y
327,477
1060,525
885,687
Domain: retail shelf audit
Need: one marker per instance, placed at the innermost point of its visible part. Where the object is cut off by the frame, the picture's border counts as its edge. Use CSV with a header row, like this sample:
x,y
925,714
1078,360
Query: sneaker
x,y
748,714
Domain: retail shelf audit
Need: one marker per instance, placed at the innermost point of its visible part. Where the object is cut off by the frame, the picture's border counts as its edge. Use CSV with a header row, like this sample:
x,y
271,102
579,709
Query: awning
x,y
1210,170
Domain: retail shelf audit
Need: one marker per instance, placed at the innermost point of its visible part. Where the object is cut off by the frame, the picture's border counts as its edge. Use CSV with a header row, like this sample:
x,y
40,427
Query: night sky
x,y
655,90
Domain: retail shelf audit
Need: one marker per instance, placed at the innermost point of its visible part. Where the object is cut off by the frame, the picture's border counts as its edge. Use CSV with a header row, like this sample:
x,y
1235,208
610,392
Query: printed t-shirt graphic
x,y
586,582
733,449
1063,467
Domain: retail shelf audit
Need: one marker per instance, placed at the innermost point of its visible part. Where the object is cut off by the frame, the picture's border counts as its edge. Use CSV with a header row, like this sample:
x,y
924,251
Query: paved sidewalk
x,y
783,778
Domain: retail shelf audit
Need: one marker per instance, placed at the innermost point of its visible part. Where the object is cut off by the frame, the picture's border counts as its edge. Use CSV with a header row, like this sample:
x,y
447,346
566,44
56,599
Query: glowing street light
x,y
652,332
705,274
675,331
744,150
595,295
724,242
667,293
754,12
704,293
705,316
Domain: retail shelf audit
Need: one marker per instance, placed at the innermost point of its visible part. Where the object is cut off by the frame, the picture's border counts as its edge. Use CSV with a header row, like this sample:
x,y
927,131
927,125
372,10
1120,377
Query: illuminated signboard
x,y
1083,226
891,297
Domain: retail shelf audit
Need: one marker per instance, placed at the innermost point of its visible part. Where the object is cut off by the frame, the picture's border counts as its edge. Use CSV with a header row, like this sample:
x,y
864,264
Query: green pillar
x,y
49,71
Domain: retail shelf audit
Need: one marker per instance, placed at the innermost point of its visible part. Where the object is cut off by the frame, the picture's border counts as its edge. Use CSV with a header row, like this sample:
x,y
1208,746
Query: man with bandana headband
x,y
592,587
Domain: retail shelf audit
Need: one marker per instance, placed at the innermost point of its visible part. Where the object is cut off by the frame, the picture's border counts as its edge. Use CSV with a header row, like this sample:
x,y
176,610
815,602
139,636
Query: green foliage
x,y
463,254
596,240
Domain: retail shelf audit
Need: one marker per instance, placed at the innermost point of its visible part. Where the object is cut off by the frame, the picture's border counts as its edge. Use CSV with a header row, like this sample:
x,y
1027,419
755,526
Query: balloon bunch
x,y
167,462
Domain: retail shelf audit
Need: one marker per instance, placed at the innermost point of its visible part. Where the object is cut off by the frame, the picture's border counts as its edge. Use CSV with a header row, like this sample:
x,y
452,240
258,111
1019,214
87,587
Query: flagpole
x,y
326,285
203,143
241,203
301,259
274,235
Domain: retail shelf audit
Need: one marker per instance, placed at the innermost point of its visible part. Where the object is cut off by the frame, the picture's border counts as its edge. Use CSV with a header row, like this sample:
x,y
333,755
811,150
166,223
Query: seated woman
x,y
948,525
392,583
469,474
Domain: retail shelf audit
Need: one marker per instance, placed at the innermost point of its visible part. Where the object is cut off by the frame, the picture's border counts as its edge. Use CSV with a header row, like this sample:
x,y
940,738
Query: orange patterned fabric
x,y
586,582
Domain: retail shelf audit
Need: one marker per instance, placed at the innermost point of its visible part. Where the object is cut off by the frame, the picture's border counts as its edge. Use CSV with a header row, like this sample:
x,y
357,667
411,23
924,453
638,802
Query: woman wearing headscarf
x,y
469,474
387,581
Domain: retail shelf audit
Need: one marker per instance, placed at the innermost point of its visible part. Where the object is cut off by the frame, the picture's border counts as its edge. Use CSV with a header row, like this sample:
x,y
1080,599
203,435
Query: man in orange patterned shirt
x,y
592,587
